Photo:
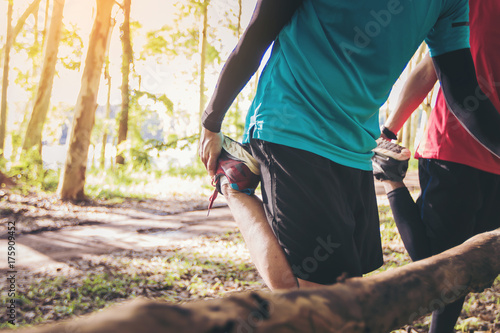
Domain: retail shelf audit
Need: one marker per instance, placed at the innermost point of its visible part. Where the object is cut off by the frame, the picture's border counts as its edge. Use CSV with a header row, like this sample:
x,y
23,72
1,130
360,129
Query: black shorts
x,y
323,214
457,202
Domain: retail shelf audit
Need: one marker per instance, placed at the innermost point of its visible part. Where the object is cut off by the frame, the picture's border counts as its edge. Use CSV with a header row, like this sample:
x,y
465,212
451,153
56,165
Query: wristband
x,y
388,133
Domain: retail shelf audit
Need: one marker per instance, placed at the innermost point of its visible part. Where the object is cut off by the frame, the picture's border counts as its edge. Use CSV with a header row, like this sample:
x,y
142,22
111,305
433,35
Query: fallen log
x,y
377,303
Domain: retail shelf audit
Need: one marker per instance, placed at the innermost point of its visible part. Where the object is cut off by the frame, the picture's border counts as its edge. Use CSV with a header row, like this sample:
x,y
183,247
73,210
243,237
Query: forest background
x,y
155,81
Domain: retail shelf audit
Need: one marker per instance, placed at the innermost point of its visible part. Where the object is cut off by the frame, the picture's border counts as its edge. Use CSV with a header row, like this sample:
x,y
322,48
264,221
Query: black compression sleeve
x,y
269,17
466,100
410,226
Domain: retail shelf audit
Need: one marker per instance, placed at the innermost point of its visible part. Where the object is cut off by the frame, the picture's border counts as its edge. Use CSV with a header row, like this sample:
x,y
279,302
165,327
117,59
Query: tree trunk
x,y
42,101
414,127
233,117
126,61
45,23
107,76
407,132
6,180
102,158
32,8
203,57
5,78
72,182
378,303
10,38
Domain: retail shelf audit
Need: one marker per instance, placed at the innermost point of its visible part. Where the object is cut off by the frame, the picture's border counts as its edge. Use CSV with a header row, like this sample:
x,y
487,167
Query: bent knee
x,y
228,191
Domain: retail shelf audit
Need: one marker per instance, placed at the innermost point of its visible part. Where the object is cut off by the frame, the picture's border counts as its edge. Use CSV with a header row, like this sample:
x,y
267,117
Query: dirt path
x,y
50,234
114,231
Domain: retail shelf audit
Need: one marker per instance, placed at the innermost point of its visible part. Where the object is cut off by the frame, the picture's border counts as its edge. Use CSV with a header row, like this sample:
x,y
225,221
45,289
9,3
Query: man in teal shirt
x,y
333,66
314,121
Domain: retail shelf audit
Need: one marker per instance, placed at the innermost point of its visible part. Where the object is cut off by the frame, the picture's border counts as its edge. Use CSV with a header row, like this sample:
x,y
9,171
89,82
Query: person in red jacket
x,y
459,177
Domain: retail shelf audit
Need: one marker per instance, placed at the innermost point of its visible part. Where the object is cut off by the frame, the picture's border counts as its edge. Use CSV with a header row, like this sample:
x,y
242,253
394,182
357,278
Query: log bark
x,y
72,182
377,303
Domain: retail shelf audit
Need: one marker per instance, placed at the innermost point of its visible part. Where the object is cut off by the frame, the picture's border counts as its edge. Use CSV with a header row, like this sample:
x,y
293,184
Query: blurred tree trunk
x,y
45,23
9,41
127,59
102,158
5,78
407,132
6,180
36,42
32,8
233,117
72,181
417,117
203,57
107,76
411,125
33,135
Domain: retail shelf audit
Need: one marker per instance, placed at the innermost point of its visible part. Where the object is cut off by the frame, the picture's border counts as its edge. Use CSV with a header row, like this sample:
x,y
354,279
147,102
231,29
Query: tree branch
x,y
20,23
22,19
119,4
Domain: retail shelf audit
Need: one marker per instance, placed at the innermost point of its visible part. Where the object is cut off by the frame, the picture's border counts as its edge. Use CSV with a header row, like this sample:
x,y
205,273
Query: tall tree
x,y
72,182
203,55
33,135
10,39
184,39
45,23
411,125
127,59
107,76
234,123
5,79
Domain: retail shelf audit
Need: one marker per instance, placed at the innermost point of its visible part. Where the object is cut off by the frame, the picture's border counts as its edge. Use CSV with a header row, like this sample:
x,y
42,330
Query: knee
x,y
229,192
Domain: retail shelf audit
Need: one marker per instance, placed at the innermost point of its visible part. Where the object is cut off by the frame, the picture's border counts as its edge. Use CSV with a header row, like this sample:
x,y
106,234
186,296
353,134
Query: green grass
x,y
176,276
200,268
116,184
126,183
197,169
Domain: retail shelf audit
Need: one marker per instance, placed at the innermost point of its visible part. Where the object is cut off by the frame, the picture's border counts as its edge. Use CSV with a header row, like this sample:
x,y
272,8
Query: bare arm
x,y
269,17
420,81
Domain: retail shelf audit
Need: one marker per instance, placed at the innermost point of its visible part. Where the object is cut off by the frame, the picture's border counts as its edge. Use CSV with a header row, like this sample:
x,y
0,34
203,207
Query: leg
x,y
450,203
309,284
443,321
390,163
487,219
319,213
266,253
407,217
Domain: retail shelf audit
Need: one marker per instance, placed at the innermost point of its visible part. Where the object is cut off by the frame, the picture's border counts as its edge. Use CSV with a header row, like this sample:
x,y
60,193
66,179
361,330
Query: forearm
x,y
237,71
269,17
420,81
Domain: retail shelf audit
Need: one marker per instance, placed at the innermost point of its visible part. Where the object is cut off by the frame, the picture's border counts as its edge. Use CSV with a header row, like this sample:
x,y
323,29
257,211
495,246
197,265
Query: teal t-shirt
x,y
334,64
